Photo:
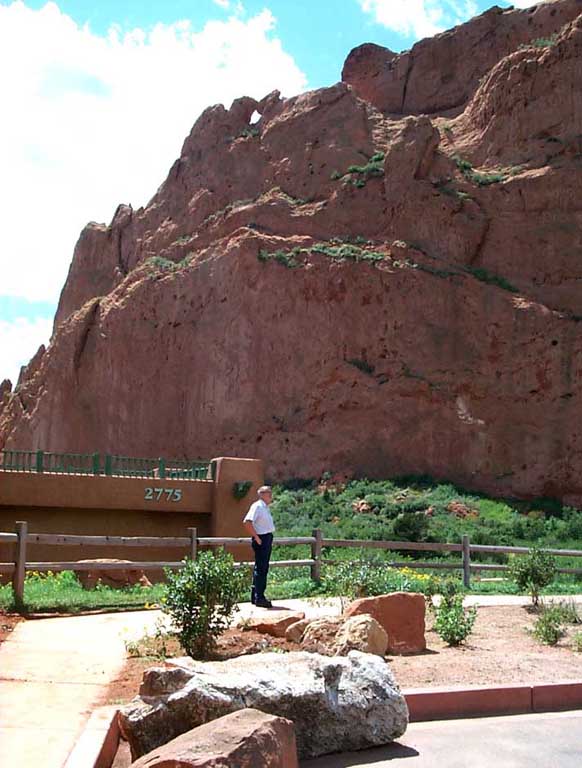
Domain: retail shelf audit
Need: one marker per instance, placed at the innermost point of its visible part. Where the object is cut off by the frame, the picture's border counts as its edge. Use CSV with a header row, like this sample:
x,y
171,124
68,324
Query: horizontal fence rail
x,y
190,545
103,464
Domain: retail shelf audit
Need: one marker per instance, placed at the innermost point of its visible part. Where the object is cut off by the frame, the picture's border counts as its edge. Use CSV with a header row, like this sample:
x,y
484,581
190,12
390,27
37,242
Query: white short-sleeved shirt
x,y
260,516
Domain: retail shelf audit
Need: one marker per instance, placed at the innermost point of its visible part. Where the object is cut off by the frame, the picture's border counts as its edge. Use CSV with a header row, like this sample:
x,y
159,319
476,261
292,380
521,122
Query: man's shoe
x,y
264,603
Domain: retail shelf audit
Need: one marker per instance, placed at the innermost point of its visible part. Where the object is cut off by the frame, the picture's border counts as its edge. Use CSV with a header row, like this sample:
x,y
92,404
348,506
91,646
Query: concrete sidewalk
x,y
519,741
54,671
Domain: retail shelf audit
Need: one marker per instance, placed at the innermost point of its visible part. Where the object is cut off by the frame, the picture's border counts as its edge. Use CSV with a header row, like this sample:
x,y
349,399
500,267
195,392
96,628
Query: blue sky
x,y
101,95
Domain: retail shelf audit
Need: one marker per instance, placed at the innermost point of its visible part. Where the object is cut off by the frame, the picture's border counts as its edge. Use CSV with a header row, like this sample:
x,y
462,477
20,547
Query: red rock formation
x,y
5,392
441,73
229,317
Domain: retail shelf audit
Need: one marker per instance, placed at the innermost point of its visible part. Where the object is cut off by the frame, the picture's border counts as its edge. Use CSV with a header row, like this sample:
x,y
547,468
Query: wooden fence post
x,y
193,543
20,564
316,555
466,561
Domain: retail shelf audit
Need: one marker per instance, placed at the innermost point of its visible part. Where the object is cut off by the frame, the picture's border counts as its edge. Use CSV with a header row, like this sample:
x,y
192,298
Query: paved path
x,y
521,741
54,671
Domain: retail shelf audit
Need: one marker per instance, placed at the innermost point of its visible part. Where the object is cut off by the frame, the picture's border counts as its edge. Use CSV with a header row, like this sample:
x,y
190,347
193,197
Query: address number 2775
x,y
168,494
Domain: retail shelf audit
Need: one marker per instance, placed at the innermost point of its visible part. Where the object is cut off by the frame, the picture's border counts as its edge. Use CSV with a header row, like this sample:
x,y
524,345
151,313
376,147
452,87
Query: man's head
x,y
265,493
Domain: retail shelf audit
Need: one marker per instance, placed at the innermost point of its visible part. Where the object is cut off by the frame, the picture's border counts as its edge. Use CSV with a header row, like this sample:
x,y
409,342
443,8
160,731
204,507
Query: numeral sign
x,y
169,494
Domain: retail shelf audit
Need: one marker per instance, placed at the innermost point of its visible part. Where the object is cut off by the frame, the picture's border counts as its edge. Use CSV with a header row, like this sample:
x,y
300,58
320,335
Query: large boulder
x,y
400,614
319,635
245,739
361,633
336,704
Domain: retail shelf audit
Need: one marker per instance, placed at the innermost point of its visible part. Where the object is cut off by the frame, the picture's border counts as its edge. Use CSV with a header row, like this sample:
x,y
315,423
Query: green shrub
x,y
411,526
548,627
240,489
341,252
373,168
368,577
201,598
577,642
476,177
362,365
489,277
565,610
542,42
454,623
532,572
160,262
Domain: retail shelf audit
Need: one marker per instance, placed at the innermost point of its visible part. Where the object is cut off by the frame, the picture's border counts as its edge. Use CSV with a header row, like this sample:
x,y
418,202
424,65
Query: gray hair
x,y
264,489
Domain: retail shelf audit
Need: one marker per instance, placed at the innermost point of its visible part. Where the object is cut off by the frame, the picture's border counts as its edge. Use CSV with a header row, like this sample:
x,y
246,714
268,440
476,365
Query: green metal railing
x,y
98,464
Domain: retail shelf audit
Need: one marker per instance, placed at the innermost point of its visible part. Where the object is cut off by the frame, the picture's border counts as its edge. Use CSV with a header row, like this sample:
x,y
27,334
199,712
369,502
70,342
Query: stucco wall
x,y
76,504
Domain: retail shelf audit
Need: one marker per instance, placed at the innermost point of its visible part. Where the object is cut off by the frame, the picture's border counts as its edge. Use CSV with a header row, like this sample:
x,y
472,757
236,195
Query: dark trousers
x,y
262,556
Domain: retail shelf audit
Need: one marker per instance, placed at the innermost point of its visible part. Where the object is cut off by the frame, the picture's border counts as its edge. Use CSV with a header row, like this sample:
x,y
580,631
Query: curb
x,y
97,745
449,703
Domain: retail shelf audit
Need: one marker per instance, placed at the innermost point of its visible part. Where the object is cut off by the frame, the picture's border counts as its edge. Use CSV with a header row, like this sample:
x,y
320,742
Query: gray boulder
x,y
337,704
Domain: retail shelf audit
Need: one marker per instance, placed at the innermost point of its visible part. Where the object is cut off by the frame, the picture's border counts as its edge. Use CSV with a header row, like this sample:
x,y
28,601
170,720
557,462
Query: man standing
x,y
259,524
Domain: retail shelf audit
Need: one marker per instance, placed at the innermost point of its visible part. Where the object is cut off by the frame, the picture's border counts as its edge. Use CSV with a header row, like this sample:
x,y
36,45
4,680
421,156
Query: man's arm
x,y
252,533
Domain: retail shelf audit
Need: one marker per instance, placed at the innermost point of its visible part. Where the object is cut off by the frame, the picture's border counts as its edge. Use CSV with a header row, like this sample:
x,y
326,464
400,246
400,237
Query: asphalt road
x,y
552,740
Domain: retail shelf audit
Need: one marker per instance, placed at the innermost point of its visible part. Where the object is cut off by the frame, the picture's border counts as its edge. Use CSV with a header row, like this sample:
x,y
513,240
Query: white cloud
x,y
19,340
419,18
90,121
524,3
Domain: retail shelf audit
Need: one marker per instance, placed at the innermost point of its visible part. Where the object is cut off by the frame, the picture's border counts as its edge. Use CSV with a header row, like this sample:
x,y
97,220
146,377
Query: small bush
x,y
541,42
240,489
201,598
577,642
532,572
566,611
150,646
341,252
454,623
476,177
373,168
368,577
362,365
488,277
548,628
286,258
160,262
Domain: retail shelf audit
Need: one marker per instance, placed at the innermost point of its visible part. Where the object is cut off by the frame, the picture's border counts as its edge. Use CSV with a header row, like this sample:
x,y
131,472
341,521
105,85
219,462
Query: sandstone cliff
x,y
348,284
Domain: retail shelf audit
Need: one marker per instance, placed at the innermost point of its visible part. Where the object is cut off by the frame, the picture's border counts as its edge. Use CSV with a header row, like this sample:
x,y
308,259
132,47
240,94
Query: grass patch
x,y
63,592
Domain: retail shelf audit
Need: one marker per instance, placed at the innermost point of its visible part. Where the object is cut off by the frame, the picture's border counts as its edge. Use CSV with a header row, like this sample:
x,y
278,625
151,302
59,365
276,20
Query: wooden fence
x,y
191,543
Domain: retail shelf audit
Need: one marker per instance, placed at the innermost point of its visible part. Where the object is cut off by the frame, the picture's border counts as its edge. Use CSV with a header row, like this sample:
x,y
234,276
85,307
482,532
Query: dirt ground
x,y
500,650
